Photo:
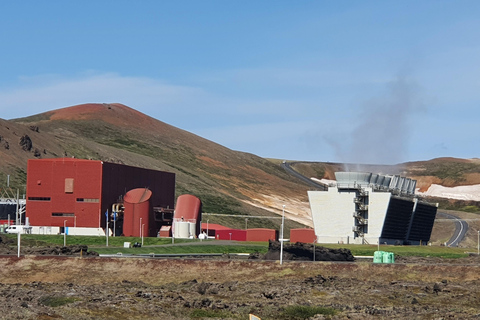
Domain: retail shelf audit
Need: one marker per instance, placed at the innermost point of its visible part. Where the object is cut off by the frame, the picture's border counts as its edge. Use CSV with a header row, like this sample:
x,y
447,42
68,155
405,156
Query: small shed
x,y
302,235
261,234
231,234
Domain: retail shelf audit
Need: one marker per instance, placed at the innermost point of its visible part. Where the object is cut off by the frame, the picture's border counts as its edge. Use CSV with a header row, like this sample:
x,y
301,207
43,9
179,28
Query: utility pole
x,y
281,235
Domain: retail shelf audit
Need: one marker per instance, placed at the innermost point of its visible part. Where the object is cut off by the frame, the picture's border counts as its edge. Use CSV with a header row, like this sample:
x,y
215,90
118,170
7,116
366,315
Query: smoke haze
x,y
382,130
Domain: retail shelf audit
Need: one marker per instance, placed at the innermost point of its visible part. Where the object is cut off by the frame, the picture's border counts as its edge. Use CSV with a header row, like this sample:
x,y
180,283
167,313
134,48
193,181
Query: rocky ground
x,y
35,287
74,285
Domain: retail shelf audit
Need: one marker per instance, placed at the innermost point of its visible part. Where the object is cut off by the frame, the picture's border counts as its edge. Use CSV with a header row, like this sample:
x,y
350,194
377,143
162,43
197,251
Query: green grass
x,y
156,245
458,205
418,251
204,313
150,244
299,312
91,241
183,249
51,301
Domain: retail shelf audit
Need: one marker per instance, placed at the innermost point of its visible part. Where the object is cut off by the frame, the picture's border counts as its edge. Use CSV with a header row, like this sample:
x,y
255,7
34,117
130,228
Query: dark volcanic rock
x,y
26,143
304,252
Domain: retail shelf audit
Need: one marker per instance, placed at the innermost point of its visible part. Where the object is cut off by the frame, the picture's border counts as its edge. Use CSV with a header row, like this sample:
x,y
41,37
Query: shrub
x,y
204,313
305,312
50,301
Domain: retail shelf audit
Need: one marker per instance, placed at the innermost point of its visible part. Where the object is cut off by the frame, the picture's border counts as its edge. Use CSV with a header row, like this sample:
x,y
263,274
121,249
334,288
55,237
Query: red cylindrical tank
x,y
189,208
137,212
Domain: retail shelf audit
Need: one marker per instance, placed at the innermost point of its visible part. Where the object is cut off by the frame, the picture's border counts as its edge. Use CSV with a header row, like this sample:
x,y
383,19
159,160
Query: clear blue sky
x,y
350,81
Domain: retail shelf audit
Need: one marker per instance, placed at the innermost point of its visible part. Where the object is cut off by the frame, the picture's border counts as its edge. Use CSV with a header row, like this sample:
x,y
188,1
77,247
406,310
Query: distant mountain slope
x,y
227,181
432,177
449,172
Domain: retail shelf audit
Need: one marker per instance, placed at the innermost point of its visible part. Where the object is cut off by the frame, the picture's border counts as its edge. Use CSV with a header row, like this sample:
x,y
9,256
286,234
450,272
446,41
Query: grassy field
x,y
181,246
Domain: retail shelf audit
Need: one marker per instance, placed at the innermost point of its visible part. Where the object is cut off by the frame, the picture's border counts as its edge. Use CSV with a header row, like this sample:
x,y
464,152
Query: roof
x,y
214,226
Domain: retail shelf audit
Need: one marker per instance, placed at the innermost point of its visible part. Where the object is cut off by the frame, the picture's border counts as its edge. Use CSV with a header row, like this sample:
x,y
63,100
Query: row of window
x,y
62,214
78,199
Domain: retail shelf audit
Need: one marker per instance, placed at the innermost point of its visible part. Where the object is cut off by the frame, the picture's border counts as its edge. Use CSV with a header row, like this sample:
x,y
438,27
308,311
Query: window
x,y
68,185
39,198
62,214
87,200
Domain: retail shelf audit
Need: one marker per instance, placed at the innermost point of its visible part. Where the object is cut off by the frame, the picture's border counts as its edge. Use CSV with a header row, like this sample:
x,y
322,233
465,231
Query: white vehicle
x,y
18,229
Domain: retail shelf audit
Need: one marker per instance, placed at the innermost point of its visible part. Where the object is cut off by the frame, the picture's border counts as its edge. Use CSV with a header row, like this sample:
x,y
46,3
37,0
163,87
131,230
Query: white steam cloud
x,y
382,129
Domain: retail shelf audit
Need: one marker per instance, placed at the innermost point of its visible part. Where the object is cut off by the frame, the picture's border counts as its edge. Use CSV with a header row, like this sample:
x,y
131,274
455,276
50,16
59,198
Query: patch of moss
x,y
52,301
205,313
299,312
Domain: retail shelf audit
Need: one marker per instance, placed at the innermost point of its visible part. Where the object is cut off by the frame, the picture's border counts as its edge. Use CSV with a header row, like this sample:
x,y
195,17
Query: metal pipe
x,y
64,233
281,235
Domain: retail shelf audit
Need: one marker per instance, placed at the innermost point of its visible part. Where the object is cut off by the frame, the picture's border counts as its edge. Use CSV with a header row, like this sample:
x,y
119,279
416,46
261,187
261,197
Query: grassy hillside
x,y
227,181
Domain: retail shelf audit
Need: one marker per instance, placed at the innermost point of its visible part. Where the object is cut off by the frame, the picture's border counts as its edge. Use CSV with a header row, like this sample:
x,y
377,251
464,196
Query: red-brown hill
x,y
227,181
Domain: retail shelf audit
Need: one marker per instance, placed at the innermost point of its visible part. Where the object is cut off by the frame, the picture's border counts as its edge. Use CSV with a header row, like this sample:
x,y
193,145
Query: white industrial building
x,y
370,208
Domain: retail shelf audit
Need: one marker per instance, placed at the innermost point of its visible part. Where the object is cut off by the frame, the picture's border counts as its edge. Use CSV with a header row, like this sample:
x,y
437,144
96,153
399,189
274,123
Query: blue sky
x,y
351,81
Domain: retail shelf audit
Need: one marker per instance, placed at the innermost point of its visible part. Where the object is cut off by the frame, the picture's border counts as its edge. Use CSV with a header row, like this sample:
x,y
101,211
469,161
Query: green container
x,y
378,256
388,257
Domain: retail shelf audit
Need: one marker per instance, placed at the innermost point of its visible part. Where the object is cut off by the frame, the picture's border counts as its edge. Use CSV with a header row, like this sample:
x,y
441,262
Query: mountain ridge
x,y
227,181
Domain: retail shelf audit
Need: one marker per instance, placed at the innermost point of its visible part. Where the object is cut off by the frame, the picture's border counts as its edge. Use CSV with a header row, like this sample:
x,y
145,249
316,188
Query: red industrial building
x,y
224,233
78,193
302,235
261,234
210,229
231,234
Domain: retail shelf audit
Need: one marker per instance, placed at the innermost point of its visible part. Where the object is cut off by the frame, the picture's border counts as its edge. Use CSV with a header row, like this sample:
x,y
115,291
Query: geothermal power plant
x,y
368,208
92,197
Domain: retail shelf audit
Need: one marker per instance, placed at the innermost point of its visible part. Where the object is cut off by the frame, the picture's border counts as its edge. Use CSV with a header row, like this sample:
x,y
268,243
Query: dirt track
x,y
99,288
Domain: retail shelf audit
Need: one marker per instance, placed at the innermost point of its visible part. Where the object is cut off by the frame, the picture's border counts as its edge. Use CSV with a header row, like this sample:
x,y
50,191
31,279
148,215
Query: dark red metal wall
x,y
49,203
236,234
57,186
261,234
302,235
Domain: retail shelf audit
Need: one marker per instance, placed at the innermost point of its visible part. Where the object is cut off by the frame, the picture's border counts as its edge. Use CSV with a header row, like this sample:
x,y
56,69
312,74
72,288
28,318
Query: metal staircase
x,y
360,215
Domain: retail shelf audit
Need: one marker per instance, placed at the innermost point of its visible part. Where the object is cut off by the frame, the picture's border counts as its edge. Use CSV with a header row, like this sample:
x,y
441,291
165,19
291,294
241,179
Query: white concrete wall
x,y
332,215
71,231
377,210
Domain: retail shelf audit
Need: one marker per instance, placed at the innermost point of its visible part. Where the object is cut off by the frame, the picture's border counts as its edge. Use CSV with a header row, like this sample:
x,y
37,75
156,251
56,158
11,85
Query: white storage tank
x,y
192,227
182,229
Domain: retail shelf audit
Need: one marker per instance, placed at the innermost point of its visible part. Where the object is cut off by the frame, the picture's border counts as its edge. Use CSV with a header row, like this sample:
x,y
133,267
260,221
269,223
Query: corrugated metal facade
x,y
80,191
231,234
261,234
302,235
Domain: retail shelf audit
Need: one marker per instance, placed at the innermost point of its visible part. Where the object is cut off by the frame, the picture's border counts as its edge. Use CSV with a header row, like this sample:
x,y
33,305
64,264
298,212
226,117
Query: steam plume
x,y
383,127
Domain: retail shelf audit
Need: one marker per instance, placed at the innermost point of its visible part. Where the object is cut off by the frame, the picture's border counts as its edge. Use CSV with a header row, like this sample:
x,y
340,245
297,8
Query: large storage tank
x,y
189,209
182,229
137,212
